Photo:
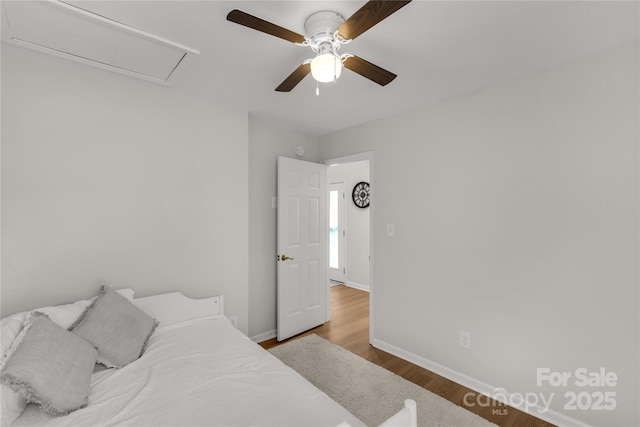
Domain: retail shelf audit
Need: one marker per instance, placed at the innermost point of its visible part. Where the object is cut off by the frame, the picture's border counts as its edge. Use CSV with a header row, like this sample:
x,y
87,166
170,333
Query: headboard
x,y
174,307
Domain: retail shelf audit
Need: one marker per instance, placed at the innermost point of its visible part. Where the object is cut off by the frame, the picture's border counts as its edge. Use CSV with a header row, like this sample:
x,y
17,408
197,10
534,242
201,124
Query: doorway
x,y
356,260
349,251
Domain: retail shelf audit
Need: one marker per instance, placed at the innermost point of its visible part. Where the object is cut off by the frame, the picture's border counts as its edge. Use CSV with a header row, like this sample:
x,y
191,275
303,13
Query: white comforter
x,y
201,373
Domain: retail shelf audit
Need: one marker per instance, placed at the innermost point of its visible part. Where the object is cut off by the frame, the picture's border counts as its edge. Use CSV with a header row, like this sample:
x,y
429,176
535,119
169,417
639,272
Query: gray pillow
x,y
116,328
51,367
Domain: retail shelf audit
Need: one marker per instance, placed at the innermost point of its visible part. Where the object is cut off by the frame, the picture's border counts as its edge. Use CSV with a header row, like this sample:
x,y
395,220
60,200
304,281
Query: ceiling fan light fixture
x,y
325,33
326,67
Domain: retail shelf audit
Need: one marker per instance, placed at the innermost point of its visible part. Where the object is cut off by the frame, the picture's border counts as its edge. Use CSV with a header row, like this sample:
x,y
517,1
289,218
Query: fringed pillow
x,y
12,402
51,367
116,328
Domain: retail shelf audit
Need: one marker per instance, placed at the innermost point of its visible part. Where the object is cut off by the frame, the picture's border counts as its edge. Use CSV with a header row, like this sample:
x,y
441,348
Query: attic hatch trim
x,y
183,56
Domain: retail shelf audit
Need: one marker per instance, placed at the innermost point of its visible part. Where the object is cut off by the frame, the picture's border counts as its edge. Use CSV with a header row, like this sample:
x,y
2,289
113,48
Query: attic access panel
x,y
70,32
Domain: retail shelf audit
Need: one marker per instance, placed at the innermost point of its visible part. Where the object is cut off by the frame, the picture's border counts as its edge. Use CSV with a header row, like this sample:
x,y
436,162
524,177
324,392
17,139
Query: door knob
x,y
284,258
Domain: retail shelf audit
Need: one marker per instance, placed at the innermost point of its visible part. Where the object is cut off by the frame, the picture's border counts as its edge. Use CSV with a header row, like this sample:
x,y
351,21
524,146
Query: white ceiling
x,y
438,49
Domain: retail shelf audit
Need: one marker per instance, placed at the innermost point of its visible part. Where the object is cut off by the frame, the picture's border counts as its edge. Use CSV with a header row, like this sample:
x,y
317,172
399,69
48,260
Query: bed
x,y
194,369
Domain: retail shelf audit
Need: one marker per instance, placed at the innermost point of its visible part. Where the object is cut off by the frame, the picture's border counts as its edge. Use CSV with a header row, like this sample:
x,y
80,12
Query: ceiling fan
x,y
326,32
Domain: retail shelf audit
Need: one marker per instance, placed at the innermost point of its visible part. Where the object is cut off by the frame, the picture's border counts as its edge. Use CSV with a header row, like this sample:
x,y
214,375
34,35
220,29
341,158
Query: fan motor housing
x,y
322,25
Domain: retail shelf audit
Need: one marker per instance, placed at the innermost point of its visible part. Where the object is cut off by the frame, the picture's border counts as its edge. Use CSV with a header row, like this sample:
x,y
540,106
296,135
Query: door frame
x,y
367,155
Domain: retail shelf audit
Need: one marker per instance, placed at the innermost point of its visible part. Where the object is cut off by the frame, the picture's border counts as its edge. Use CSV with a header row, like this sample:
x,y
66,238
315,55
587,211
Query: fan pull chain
x,y
317,88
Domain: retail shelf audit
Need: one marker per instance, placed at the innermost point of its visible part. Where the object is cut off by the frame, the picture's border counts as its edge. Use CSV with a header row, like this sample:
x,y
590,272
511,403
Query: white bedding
x,y
200,372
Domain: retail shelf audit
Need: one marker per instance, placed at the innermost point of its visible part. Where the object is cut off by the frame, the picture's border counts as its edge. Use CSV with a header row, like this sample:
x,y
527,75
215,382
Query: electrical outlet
x,y
465,340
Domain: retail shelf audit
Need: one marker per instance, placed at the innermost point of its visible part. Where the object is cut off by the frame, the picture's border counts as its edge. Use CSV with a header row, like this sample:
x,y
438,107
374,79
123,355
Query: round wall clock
x,y
360,194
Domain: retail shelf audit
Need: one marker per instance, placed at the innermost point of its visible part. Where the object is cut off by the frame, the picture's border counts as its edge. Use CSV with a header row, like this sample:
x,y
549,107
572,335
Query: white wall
x,y
267,141
516,213
109,179
524,231
357,222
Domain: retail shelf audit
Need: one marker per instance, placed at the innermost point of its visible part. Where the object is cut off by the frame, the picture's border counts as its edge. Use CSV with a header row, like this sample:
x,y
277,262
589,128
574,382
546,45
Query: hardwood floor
x,y
349,328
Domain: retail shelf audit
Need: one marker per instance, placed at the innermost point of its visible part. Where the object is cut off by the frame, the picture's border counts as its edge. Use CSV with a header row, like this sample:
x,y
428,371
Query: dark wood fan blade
x,y
294,78
243,18
369,15
369,70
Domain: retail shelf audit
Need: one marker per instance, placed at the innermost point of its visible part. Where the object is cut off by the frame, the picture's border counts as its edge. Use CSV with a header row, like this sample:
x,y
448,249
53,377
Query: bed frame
x,y
169,307
407,416
189,308
183,307
175,308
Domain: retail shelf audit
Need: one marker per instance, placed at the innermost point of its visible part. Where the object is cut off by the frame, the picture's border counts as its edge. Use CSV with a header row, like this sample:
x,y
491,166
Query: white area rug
x,y
368,391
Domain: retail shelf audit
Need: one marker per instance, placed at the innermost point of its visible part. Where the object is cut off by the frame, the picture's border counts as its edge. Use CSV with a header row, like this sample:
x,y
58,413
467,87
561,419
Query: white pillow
x,y
13,403
10,328
65,315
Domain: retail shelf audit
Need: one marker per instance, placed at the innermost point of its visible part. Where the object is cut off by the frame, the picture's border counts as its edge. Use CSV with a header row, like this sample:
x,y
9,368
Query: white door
x,y
337,232
302,251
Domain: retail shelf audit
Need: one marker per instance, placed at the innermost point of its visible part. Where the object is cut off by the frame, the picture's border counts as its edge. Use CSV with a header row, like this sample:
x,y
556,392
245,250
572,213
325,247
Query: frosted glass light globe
x,y
326,68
